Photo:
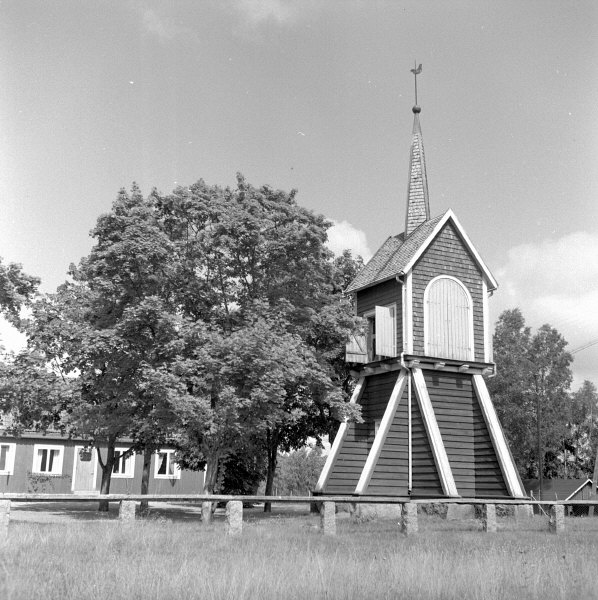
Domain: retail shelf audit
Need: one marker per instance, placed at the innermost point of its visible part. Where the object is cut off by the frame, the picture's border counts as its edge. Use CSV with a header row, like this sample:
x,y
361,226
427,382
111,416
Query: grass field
x,y
287,558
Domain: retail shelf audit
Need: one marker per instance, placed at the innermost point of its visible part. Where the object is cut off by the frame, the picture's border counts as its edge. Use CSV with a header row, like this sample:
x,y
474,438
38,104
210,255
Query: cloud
x,y
10,338
159,25
342,235
256,12
556,282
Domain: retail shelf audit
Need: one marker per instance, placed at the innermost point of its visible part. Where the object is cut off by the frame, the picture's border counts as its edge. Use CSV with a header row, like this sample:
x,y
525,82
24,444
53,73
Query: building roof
x,y
392,257
397,256
555,489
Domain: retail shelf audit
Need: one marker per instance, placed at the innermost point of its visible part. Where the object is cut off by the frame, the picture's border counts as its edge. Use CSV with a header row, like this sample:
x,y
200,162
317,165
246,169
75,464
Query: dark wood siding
x,y
390,476
447,255
468,445
383,294
349,464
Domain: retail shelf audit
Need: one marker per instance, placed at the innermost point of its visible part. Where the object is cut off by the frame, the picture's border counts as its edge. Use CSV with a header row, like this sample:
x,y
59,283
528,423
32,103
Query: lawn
x,y
287,558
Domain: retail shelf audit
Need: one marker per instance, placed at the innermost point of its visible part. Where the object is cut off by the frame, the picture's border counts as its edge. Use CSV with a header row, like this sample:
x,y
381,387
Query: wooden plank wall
x,y
360,436
447,255
383,294
468,445
390,476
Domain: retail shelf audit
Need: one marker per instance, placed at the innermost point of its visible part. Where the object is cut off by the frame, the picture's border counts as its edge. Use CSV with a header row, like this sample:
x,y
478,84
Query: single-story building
x,y
561,489
49,463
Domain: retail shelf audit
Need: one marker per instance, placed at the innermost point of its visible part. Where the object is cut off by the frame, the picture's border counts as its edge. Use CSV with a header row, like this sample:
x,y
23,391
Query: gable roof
x,y
555,489
396,256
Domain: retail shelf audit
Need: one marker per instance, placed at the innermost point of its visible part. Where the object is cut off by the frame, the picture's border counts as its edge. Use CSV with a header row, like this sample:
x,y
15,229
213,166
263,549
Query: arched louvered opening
x,y
448,319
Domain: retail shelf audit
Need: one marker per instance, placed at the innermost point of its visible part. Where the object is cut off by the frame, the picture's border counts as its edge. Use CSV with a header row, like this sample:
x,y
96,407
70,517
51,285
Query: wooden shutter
x,y
449,320
356,349
386,342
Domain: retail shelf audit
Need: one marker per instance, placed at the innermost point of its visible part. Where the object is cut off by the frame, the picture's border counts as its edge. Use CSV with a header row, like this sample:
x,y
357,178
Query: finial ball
x,y
416,109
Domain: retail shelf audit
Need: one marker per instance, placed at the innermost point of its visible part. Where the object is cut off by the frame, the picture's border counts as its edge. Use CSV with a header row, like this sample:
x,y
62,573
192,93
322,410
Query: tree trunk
x,y
540,449
211,476
272,449
145,477
107,467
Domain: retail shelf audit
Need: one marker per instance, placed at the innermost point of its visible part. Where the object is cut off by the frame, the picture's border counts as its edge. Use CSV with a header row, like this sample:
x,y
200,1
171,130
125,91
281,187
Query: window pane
x,y
3,457
44,457
170,464
51,461
163,458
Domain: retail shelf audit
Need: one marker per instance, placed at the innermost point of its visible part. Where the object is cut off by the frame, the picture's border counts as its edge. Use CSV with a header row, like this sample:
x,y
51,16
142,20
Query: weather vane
x,y
416,71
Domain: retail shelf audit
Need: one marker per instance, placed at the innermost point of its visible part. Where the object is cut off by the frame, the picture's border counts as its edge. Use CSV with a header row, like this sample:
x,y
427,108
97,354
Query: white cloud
x,y
556,282
10,338
342,235
159,25
256,12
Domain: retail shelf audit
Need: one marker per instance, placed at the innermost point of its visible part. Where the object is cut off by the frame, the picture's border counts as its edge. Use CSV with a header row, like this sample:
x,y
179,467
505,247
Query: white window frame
x,y
56,463
129,472
9,465
427,315
176,470
370,315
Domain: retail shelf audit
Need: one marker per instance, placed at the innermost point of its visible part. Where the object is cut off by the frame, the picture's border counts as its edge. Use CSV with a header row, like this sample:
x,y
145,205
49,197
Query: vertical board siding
x,y
447,255
346,471
383,294
468,445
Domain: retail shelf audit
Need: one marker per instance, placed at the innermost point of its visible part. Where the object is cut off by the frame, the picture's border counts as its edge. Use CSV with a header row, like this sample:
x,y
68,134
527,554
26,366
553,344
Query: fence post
x,y
556,521
4,519
409,518
328,518
234,517
126,510
206,513
489,518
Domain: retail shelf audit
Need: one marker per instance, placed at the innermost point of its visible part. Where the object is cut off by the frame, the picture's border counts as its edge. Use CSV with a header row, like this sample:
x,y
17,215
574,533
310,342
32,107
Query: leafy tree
x,y
299,471
16,289
531,392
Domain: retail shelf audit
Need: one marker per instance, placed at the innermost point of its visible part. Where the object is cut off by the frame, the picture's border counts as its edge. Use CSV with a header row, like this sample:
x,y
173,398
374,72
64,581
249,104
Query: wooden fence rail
x,y
326,505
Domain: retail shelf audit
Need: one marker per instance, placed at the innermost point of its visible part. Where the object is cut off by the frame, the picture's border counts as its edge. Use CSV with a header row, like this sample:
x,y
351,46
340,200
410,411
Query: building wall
x,y
469,448
383,294
23,480
447,255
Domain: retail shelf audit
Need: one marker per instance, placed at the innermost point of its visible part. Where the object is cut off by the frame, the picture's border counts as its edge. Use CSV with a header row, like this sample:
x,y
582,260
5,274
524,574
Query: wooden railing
x,y
326,506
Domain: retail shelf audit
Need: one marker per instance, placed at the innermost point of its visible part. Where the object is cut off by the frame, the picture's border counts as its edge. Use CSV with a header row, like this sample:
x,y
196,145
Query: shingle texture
x,y
393,256
418,206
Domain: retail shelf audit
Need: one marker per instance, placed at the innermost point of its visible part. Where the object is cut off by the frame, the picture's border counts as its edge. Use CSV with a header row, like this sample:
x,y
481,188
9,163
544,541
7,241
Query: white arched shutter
x,y
448,320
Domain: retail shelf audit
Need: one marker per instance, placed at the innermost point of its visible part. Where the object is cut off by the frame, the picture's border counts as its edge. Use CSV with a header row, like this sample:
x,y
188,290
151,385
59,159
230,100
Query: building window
x,y
124,467
7,458
166,467
47,459
448,319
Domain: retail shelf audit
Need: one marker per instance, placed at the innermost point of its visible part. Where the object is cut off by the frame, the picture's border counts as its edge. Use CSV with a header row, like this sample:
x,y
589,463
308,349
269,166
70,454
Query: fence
x,y
326,506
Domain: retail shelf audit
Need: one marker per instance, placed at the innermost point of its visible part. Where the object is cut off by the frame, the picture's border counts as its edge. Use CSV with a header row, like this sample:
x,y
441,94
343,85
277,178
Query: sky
x,y
316,96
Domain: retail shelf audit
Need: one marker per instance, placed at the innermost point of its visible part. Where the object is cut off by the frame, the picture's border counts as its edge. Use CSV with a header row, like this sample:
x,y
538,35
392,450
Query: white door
x,y
84,472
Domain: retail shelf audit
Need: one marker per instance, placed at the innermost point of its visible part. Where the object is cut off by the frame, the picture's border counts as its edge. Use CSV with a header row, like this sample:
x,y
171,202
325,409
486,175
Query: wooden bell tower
x,y
429,426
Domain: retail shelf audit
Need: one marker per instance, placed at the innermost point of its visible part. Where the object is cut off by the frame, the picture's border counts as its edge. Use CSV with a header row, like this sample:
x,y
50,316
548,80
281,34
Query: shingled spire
x,y
418,205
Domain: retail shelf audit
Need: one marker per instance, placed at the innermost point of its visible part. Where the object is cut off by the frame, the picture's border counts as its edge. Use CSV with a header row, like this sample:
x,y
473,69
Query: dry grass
x,y
288,558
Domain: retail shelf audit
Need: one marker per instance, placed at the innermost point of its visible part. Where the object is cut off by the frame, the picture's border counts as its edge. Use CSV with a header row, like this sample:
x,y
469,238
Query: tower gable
x,y
448,255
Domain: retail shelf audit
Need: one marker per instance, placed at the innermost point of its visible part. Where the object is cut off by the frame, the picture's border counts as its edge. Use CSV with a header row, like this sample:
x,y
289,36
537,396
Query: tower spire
x,y
418,205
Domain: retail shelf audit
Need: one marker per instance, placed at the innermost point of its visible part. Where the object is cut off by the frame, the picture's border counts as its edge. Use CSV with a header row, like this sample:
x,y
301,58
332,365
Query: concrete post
x,y
489,518
4,519
556,522
234,518
409,518
328,518
206,513
126,510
